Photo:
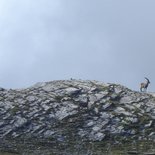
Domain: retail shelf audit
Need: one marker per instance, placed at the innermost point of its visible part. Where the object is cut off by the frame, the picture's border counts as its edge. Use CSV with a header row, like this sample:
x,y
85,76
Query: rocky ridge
x,y
76,109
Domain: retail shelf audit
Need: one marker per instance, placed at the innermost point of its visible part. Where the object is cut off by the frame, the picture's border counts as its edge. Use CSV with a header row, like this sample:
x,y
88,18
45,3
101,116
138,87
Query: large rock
x,y
76,109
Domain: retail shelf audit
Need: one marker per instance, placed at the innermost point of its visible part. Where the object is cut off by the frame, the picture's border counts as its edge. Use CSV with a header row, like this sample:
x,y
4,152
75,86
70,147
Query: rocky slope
x,y
76,109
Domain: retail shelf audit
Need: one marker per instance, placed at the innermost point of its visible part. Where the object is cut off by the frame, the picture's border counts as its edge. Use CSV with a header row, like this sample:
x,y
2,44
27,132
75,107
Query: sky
x,y
112,41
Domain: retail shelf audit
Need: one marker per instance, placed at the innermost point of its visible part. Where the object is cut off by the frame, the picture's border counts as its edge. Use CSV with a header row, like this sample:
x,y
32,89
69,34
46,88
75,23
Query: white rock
x,y
99,136
96,128
19,121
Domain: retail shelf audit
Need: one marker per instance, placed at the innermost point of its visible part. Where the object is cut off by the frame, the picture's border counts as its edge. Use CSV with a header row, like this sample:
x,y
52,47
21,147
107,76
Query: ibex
x,y
144,85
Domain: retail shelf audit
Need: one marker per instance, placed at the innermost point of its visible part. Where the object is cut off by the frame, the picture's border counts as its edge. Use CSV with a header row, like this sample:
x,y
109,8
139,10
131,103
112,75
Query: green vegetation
x,y
82,148
14,110
58,98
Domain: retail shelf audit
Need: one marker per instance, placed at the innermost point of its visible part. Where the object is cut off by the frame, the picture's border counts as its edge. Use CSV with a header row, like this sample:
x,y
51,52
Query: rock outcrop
x,y
76,109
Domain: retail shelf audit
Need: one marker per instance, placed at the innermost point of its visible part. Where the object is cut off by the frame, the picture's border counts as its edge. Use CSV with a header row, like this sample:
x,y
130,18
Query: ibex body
x,y
144,85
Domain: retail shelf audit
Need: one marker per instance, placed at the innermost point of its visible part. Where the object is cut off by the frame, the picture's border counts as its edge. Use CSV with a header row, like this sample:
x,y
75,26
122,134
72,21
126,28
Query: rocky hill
x,y
76,109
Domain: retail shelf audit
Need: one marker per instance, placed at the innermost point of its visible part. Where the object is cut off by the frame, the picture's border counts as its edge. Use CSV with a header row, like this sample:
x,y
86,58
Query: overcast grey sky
x,y
105,40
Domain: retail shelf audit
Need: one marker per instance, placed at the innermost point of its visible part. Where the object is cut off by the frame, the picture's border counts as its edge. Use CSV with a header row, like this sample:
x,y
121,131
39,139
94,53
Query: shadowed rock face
x,y
76,109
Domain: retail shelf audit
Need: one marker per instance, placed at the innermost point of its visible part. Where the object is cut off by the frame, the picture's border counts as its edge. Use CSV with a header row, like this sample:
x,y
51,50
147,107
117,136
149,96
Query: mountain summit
x,y
76,109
